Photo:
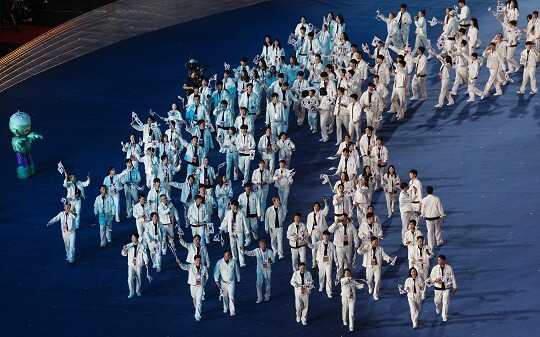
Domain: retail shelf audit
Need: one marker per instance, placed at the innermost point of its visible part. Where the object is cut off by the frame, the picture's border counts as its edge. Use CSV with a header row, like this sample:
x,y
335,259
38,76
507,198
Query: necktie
x,y
302,276
103,201
315,217
248,210
369,97
155,229
400,18
369,144
345,243
325,249
276,221
206,179
310,45
527,56
414,285
378,66
346,160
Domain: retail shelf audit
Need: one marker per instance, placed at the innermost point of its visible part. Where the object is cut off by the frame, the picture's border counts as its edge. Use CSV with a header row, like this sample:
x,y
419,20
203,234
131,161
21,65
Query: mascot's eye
x,y
26,131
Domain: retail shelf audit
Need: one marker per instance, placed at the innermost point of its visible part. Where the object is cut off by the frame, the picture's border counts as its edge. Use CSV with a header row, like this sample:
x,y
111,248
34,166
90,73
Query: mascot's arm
x,y
33,136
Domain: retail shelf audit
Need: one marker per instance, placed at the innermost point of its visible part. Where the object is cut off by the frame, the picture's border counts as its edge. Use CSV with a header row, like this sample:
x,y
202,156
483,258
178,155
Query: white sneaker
x,y
453,93
131,295
351,329
497,94
450,103
345,323
376,298
470,100
337,143
258,301
298,319
304,323
444,319
438,106
414,98
533,92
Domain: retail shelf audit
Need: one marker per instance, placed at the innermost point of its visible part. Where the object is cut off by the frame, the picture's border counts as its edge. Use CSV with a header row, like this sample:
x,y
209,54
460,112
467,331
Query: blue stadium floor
x,y
480,157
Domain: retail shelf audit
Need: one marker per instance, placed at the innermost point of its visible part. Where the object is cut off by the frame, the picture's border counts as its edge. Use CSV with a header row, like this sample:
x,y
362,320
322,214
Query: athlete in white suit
x,y
227,276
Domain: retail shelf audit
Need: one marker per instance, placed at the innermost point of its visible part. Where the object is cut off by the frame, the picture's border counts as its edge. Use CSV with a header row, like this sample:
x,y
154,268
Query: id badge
x,y
325,258
265,265
222,123
234,226
351,295
420,260
134,261
373,262
303,290
198,282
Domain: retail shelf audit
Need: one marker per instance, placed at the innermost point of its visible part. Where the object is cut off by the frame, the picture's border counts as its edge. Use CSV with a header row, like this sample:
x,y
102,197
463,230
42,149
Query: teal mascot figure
x,y
21,126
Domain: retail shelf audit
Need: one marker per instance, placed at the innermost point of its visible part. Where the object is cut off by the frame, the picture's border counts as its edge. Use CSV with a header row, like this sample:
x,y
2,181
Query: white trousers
x,y
298,253
354,129
155,254
415,305
76,208
529,73
462,75
262,194
139,224
316,236
105,228
493,80
445,92
69,244
419,81
276,240
434,233
347,310
131,199
372,119
228,296
390,202
325,277
197,294
399,102
301,303
134,276
442,299
169,230
326,119
342,121
472,89
405,218
244,162
284,197
263,276
236,243
344,258
201,231
374,274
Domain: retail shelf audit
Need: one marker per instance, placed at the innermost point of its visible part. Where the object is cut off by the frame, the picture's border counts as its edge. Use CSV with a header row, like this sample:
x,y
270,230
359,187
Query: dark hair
x,y
411,269
429,190
403,184
474,23
442,257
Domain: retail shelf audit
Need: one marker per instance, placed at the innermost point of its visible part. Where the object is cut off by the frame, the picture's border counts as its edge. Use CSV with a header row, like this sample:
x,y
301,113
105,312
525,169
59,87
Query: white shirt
x,y
432,207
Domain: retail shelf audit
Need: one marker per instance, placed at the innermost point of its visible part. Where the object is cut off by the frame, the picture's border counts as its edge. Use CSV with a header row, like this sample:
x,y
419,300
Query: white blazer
x,y
302,288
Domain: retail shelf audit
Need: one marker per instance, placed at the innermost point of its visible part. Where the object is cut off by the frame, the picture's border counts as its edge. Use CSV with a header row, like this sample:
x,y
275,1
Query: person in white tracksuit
x,y
104,210
419,257
390,183
316,225
473,70
154,236
131,178
195,248
432,211
410,237
302,281
197,214
528,58
345,240
273,225
112,181
405,207
227,276
415,191
197,277
261,180
235,224
494,63
136,258
250,205
141,213
265,259
444,76
283,180
342,114
348,298
443,278
167,214
372,261
75,194
414,288
67,222
298,239
245,144
326,257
